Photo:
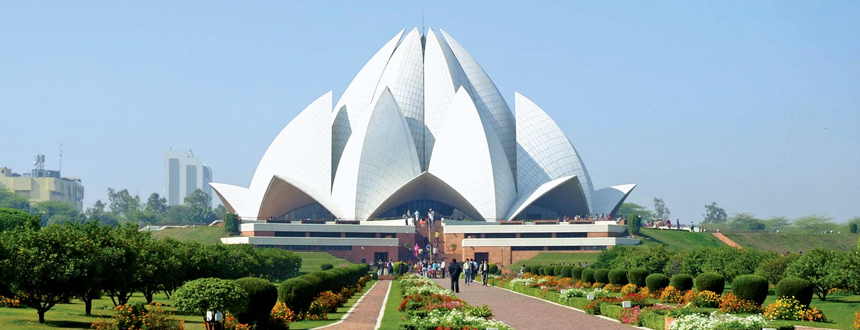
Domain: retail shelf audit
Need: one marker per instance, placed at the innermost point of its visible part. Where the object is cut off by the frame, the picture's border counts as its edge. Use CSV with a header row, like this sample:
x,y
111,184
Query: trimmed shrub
x,y
540,271
795,287
601,275
588,275
326,266
297,294
637,276
565,271
618,277
682,282
750,287
711,282
656,282
557,270
494,269
576,273
262,297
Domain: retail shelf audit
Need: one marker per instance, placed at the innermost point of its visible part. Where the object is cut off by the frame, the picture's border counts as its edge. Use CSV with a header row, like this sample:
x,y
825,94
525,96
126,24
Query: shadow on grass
x,y
69,324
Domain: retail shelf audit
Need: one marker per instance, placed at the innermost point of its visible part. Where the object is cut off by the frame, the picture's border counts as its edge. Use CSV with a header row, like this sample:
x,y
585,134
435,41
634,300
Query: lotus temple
x,y
422,127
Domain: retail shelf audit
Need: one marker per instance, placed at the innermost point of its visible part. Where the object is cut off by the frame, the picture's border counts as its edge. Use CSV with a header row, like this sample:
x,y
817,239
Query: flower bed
x,y
717,320
427,306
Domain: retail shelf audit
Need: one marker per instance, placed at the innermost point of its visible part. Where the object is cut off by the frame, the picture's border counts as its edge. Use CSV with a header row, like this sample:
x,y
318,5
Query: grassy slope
x,y
784,242
311,261
204,235
679,240
547,258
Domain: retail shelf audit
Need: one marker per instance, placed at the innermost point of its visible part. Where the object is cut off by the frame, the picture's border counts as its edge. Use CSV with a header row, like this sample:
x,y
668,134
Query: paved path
x,y
726,240
525,312
366,310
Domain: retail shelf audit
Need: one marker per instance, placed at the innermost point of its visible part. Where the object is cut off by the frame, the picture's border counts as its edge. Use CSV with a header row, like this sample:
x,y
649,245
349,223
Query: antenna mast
x,y
61,159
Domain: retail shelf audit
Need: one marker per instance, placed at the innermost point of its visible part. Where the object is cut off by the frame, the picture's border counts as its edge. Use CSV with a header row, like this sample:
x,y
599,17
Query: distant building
x,y
42,185
183,174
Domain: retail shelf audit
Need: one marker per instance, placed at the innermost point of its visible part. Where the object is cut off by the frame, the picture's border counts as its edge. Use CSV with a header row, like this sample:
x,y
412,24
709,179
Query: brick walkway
x,y
523,312
366,311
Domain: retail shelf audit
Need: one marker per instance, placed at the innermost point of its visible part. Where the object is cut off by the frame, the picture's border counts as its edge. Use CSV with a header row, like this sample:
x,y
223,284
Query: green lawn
x,y
203,235
794,242
332,317
839,310
391,317
547,258
679,240
311,261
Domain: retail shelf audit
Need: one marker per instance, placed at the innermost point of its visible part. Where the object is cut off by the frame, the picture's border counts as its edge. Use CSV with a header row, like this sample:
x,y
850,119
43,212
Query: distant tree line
x,y
122,207
43,266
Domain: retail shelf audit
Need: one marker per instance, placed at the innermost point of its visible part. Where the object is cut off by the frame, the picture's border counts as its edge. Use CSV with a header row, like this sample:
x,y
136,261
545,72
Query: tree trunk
x,y
148,295
41,315
88,305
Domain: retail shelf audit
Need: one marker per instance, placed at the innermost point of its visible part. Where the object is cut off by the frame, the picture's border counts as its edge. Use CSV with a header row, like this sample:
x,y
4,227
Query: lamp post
x,y
213,320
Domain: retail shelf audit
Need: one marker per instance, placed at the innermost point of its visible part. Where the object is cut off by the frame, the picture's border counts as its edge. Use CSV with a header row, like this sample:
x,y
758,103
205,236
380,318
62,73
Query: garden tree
x,y
773,270
177,270
210,294
126,260
56,212
157,264
98,212
123,205
653,259
745,222
47,266
627,209
231,224
853,225
177,214
714,214
814,222
693,261
101,236
279,264
633,223
220,211
661,212
731,262
199,207
848,274
9,199
776,223
14,218
819,266
156,208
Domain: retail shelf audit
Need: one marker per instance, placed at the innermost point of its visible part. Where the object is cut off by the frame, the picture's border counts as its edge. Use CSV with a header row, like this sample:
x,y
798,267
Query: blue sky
x,y
752,104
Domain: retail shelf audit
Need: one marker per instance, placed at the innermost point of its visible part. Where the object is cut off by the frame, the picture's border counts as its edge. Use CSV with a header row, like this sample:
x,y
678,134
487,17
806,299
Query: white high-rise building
x,y
183,174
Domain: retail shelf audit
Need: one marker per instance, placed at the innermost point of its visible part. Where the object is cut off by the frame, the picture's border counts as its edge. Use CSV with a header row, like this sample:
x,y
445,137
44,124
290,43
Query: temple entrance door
x,y
482,256
380,256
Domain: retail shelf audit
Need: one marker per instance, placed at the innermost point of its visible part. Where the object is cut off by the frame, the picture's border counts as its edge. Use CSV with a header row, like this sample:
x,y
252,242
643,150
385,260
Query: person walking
x,y
454,270
442,269
485,271
467,268
523,270
436,252
474,265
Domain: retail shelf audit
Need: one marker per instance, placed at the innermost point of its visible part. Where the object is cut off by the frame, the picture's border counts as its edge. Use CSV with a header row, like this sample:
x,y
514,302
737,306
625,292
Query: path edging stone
x,y
351,309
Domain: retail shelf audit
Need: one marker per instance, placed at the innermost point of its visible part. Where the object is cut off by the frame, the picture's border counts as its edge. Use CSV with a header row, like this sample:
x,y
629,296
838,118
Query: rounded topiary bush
x,y
656,282
540,271
297,294
588,275
795,287
532,269
565,271
750,287
326,266
637,277
494,269
262,296
601,275
576,273
557,270
618,277
711,282
682,282
330,280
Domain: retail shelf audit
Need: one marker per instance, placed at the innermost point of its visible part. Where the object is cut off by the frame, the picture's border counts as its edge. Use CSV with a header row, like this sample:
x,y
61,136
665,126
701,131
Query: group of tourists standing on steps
x,y
417,220
470,268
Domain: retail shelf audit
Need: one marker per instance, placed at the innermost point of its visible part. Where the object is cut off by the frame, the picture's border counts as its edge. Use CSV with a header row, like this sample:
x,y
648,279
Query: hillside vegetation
x,y
203,235
679,240
793,242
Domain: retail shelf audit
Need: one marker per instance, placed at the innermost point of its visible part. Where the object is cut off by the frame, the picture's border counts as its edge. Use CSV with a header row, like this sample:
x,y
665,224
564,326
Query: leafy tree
x,y
156,205
9,199
819,266
773,270
714,214
13,218
122,204
848,270
199,207
633,224
98,212
45,267
55,212
177,214
661,212
210,294
853,224
776,223
127,246
220,212
745,222
101,236
639,210
231,224
814,223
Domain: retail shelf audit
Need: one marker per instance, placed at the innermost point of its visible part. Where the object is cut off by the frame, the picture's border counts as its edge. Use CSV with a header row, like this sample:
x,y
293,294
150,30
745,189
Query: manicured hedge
x,y
682,282
611,310
618,277
557,270
750,287
588,275
601,275
299,292
576,273
656,282
795,287
494,269
262,296
326,266
637,276
565,271
711,282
